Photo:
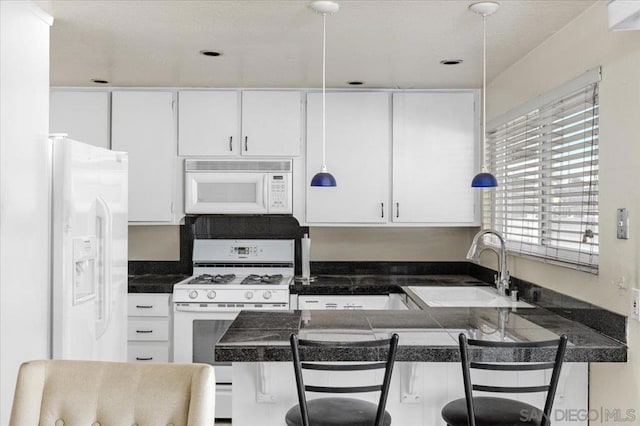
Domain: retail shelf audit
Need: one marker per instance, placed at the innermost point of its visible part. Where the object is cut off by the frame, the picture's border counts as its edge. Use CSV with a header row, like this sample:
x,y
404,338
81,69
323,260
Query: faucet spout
x,y
503,279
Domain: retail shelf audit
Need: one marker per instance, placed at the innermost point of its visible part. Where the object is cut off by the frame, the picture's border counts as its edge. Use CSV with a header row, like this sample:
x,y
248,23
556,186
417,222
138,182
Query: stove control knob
x,y
211,294
267,295
193,294
248,295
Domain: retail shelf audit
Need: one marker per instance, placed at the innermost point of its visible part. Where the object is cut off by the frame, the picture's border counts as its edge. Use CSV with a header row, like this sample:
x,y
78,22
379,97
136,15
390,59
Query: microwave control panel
x,y
280,194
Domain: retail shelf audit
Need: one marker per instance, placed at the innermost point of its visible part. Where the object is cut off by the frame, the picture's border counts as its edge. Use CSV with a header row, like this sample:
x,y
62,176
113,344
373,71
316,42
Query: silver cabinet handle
x,y
397,209
230,143
381,209
144,359
144,306
246,143
144,331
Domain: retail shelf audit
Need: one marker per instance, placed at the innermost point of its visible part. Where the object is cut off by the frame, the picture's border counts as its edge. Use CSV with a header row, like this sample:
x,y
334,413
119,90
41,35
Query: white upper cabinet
x,y
83,115
208,122
233,123
434,157
271,123
143,125
357,148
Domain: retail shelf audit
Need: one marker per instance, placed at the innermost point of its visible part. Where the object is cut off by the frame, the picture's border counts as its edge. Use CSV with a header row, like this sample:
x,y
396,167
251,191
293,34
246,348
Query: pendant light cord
x,y
484,92
324,60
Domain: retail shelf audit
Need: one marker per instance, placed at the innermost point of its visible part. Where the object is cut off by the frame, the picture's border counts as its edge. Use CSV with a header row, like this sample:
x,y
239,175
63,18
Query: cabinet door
x,y
357,148
142,125
84,116
271,123
208,123
434,157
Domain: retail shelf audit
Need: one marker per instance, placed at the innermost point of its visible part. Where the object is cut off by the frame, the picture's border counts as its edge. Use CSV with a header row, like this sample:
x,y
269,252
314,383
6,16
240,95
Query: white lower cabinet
x,y
352,302
149,327
264,391
148,352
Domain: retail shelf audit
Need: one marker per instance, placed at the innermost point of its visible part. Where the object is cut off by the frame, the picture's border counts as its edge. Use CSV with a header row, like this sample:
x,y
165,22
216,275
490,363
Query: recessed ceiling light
x,y
355,83
451,61
210,53
99,81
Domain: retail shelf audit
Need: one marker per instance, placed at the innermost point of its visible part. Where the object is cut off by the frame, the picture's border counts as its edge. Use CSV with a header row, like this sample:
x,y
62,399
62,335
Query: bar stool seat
x,y
490,411
498,411
341,411
337,412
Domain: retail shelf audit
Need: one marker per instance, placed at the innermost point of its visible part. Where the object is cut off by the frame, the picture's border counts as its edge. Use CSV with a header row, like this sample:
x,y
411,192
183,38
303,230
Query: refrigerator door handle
x,y
104,231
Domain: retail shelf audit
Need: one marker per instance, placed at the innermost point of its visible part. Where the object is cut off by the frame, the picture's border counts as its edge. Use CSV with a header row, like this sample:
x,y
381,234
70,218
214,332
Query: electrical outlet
x,y
622,218
635,304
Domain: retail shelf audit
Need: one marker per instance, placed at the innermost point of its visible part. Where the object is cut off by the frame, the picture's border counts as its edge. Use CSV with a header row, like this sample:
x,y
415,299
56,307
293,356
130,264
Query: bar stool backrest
x,y
550,389
391,344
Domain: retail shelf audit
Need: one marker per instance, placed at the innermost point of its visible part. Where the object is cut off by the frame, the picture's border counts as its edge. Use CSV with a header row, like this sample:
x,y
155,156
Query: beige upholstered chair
x,y
74,393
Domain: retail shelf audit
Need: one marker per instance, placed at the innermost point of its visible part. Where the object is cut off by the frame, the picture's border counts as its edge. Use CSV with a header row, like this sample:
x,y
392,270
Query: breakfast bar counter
x,y
427,335
427,371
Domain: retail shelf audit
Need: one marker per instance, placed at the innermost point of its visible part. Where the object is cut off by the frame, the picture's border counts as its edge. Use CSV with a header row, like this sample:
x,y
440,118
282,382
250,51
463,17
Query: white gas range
x,y
229,276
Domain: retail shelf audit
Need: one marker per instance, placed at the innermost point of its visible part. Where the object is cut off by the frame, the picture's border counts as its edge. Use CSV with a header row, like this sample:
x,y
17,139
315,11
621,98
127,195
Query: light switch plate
x,y
622,224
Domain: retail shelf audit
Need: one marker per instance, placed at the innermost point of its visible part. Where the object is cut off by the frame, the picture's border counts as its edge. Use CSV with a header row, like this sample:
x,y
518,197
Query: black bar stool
x,y
492,411
339,411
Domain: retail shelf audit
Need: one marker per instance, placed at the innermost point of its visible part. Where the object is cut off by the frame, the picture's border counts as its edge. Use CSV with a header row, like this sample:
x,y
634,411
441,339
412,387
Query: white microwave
x,y
238,186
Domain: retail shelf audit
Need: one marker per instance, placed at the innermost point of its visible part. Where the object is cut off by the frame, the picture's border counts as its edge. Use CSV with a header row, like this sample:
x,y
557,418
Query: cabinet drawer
x,y
148,305
156,329
148,352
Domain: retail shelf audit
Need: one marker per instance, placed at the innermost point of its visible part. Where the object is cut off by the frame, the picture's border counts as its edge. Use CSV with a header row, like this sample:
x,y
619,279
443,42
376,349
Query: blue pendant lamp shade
x,y
324,178
484,180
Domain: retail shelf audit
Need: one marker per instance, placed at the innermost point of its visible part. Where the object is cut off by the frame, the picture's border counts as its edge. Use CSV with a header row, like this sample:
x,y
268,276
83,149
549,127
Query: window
x,y
545,157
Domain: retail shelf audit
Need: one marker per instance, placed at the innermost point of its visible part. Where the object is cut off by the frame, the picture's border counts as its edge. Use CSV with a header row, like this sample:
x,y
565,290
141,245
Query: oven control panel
x,y
244,251
249,251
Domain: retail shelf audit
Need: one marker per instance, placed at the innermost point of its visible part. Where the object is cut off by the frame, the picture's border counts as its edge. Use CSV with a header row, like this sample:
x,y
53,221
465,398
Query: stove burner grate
x,y
262,279
213,279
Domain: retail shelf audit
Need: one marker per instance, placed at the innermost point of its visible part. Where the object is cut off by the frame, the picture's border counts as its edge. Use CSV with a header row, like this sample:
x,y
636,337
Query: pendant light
x,y
484,9
324,178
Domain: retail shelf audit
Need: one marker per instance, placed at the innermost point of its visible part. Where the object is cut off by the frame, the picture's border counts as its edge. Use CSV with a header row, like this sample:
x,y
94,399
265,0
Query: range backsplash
x,y
224,227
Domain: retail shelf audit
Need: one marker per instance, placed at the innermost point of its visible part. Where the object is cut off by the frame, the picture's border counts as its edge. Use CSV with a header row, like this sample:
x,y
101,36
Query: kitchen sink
x,y
476,297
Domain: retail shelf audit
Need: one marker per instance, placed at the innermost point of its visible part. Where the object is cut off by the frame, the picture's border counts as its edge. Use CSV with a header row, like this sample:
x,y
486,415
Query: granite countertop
x,y
428,335
323,284
153,283
376,284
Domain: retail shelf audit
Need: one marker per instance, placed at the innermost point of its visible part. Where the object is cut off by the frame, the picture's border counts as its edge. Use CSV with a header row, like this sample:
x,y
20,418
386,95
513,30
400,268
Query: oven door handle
x,y
195,308
189,308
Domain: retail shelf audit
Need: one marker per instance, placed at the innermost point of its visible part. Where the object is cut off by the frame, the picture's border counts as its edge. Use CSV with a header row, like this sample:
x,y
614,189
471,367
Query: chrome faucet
x,y
502,280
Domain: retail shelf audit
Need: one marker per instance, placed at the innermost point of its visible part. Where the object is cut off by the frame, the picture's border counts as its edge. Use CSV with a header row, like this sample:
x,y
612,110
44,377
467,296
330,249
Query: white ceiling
x,y
390,44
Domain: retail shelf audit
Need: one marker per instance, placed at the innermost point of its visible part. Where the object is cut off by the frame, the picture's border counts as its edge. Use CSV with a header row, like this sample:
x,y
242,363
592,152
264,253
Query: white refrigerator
x,y
89,196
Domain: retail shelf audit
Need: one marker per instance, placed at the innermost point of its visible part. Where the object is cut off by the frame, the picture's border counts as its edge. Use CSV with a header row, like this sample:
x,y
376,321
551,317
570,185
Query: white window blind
x,y
546,163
